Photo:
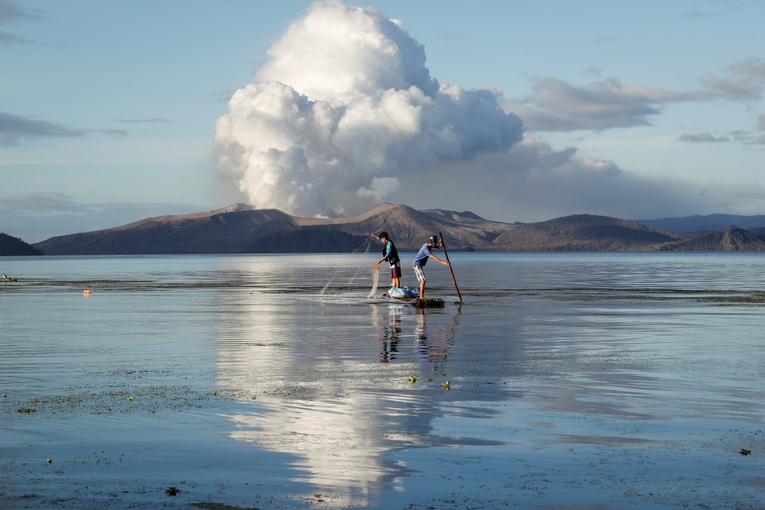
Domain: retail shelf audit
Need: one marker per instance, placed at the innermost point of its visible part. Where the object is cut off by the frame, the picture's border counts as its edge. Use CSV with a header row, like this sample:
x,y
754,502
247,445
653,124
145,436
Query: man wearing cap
x,y
390,254
422,258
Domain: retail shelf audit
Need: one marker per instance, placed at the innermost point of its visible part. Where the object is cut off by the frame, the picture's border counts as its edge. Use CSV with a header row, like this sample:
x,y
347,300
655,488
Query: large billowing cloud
x,y
343,109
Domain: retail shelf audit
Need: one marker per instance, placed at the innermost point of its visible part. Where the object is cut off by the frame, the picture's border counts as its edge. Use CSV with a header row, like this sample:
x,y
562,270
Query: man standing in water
x,y
422,258
390,254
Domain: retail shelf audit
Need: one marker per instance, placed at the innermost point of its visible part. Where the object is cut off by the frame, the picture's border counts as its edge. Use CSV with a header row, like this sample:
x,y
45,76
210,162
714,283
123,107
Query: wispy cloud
x,y
155,120
38,204
704,138
556,105
14,129
8,39
744,81
117,133
39,216
703,15
11,13
740,136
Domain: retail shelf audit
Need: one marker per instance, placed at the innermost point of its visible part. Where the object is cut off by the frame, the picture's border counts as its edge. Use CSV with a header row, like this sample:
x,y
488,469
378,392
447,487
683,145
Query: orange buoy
x,y
86,293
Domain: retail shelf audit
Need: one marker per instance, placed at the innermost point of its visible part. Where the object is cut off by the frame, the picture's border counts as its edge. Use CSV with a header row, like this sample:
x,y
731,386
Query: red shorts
x,y
395,271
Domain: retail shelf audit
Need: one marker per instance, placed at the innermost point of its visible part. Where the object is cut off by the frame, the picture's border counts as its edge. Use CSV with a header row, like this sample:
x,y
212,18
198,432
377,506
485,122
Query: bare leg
x,y
422,290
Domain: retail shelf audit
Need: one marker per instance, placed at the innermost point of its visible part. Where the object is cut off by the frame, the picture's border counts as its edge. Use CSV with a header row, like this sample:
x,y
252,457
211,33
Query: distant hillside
x,y
410,228
13,246
584,232
220,231
730,239
308,240
701,224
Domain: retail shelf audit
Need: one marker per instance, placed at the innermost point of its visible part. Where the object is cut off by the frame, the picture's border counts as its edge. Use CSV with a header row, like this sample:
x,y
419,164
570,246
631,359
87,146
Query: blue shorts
x,y
419,273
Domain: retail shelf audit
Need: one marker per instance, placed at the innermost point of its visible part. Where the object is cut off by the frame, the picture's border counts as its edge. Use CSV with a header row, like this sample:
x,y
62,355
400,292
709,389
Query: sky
x,y
112,112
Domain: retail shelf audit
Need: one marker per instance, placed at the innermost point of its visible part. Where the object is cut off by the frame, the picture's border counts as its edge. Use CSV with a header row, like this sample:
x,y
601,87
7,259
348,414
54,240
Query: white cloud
x,y
380,187
343,109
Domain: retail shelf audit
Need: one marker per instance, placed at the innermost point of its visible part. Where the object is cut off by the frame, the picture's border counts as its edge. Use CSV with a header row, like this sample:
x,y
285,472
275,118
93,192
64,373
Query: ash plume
x,y
344,107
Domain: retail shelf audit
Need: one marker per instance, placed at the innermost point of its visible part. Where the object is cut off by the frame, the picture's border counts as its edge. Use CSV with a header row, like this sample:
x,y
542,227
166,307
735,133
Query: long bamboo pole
x,y
446,254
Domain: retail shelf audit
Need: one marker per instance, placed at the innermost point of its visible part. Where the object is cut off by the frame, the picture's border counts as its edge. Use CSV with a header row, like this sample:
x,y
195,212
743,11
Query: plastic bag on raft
x,y
396,292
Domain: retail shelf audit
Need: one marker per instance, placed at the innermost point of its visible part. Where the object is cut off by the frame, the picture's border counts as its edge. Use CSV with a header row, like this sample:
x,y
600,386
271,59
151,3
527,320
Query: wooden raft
x,y
419,303
428,303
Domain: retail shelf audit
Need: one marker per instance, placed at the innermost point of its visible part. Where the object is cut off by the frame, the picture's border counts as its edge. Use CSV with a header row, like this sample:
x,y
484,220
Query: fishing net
x,y
375,281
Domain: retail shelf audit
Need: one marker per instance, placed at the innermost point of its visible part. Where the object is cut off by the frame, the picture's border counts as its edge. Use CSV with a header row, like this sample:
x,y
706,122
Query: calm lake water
x,y
616,380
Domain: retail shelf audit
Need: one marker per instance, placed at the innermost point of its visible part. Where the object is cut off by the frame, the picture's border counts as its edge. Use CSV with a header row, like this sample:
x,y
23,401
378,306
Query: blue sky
x,y
111,112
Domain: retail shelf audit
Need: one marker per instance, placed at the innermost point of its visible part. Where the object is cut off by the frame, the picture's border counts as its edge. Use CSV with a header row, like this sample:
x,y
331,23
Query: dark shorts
x,y
395,270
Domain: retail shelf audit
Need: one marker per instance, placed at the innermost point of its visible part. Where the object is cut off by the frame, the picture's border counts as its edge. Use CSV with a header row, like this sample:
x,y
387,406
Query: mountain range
x,y
240,228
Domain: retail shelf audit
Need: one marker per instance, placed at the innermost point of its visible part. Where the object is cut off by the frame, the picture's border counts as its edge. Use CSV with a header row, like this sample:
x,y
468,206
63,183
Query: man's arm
x,y
387,253
439,260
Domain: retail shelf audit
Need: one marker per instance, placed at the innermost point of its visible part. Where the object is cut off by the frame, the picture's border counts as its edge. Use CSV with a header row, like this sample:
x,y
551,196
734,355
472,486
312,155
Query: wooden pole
x,y
446,254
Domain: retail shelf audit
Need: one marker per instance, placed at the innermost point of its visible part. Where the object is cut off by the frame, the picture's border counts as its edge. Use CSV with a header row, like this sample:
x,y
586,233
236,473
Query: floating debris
x,y
446,385
412,379
744,451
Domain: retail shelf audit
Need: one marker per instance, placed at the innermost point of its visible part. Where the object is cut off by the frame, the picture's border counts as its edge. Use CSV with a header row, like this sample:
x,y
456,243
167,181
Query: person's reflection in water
x,y
390,335
434,350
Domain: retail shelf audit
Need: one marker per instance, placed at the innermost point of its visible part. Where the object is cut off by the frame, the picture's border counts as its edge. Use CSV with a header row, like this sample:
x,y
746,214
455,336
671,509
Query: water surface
x,y
272,381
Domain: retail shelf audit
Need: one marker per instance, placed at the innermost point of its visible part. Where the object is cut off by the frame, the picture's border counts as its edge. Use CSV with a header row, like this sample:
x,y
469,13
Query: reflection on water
x,y
388,334
315,376
435,346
